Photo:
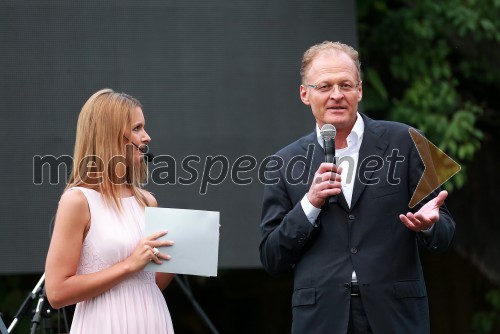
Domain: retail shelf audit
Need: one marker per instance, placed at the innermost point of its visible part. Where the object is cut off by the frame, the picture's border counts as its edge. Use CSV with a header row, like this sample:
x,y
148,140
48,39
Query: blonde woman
x,y
98,248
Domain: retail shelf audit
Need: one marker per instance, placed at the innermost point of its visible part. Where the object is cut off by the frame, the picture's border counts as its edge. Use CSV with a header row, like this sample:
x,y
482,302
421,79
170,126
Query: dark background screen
x,y
216,78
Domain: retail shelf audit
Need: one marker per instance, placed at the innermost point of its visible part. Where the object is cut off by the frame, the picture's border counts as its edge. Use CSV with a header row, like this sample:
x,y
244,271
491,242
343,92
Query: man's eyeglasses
x,y
344,87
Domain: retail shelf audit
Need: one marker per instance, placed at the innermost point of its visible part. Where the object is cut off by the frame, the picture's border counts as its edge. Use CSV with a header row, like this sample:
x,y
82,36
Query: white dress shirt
x,y
348,174
351,152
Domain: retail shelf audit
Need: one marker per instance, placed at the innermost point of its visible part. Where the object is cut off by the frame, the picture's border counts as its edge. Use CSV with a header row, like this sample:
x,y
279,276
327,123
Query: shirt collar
x,y
354,138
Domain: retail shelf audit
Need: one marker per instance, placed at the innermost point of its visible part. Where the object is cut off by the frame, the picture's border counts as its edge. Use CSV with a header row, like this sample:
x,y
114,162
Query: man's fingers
x,y
422,219
409,222
404,219
441,197
335,177
326,183
328,167
415,222
328,176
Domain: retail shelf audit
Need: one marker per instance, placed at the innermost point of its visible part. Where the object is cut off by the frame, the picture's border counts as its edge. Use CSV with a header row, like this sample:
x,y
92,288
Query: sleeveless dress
x,y
136,305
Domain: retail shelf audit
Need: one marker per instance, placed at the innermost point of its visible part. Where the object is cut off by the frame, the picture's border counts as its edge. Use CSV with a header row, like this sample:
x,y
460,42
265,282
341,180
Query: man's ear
x,y
360,92
304,96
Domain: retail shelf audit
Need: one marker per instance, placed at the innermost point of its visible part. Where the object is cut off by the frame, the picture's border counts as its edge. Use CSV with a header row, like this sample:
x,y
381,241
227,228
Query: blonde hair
x,y
100,158
328,46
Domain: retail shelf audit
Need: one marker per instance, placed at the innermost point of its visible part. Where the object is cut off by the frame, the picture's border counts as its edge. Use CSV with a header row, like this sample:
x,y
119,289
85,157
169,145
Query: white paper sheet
x,y
196,240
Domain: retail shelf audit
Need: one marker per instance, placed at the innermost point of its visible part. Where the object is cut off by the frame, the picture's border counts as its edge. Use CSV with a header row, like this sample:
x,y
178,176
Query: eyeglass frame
x,y
316,87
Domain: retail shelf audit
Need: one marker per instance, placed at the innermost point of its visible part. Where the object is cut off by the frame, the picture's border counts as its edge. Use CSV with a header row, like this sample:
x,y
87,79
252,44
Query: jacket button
x,y
347,286
354,250
351,217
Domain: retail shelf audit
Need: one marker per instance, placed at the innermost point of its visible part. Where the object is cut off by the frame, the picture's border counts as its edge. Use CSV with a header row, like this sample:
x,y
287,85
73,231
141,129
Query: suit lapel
x,y
373,144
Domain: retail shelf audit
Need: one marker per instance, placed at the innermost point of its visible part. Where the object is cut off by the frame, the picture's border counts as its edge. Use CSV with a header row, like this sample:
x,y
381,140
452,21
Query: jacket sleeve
x,y
443,230
285,229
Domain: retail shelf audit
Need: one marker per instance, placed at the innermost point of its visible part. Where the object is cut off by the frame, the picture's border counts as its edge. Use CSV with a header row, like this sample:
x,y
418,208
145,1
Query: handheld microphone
x,y
328,133
148,156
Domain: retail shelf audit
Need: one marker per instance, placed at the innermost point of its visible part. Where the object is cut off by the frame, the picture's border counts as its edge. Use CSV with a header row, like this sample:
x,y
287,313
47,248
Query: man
x,y
356,263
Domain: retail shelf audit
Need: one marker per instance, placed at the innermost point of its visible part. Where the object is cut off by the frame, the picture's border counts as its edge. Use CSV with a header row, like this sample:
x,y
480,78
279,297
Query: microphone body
x,y
329,148
149,156
328,132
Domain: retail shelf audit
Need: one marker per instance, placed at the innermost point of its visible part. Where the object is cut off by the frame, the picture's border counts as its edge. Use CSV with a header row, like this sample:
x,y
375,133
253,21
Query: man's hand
x,y
326,183
424,218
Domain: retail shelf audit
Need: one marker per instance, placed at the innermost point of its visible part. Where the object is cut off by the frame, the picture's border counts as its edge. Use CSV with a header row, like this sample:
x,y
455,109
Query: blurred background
x,y
220,78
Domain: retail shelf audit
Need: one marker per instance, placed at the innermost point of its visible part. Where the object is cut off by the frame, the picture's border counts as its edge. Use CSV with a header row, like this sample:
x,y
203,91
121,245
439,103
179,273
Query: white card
x,y
196,240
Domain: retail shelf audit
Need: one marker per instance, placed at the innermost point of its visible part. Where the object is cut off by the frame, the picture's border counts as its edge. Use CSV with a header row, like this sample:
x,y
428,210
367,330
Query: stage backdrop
x,y
219,81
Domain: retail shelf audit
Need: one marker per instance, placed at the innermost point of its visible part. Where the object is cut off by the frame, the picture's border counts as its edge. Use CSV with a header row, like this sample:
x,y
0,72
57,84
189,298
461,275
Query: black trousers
x,y
358,322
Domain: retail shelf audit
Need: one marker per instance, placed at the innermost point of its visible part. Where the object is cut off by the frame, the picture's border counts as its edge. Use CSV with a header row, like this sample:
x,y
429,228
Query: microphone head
x,y
143,148
328,131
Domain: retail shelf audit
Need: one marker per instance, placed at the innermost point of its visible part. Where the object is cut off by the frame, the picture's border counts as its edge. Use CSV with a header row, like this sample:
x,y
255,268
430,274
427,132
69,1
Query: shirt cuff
x,y
310,210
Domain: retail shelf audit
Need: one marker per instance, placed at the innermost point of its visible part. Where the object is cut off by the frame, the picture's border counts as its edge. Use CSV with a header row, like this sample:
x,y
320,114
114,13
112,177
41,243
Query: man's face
x,y
337,93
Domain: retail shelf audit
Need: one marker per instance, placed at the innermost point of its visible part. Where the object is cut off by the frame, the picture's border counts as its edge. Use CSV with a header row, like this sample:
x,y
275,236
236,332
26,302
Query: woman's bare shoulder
x,y
149,197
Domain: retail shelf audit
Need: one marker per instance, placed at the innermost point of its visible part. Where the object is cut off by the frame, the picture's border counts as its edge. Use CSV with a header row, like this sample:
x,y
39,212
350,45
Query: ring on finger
x,y
156,251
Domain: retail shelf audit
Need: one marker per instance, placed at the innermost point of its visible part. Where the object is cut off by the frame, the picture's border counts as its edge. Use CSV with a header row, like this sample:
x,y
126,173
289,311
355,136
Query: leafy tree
x,y
434,65
485,322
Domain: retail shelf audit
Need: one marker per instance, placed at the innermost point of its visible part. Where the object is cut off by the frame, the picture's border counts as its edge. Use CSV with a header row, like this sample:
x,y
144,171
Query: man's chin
x,y
340,120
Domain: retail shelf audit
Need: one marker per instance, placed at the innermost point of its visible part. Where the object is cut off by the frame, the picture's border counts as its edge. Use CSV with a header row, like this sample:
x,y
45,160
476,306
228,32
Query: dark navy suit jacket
x,y
367,237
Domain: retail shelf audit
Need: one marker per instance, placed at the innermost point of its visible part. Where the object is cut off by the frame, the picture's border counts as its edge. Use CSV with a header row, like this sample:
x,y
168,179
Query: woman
x,y
98,249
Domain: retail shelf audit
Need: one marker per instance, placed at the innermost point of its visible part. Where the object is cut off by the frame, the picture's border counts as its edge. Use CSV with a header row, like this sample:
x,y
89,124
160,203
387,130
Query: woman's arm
x,y
63,286
163,280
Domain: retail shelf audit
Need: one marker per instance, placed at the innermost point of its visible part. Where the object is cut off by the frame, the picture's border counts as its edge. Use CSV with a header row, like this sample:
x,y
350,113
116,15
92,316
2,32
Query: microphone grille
x,y
328,131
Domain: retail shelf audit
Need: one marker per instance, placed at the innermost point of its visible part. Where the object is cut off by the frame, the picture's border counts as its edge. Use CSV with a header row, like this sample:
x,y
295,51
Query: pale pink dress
x,y
136,305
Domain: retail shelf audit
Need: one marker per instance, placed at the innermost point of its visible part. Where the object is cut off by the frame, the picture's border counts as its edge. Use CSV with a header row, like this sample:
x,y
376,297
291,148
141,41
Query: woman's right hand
x,y
144,253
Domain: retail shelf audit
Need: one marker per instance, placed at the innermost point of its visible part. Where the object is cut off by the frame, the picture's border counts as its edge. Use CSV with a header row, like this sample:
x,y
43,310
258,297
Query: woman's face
x,y
137,135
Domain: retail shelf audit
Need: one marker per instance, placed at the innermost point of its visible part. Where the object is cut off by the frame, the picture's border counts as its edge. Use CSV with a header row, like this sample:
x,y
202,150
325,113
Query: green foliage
x,y
433,65
487,322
